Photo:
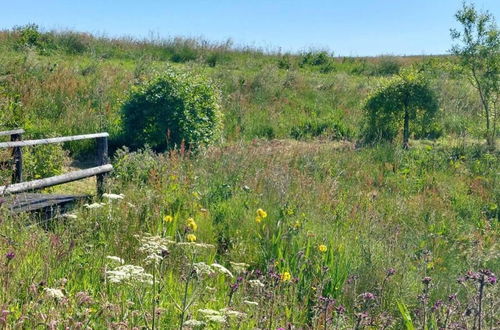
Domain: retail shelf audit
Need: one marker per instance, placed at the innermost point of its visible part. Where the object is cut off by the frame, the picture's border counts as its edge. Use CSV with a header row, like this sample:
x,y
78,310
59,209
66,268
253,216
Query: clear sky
x,y
351,28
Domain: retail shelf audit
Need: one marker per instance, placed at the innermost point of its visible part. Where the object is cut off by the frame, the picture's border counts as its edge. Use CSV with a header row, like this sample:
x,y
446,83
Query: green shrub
x,y
314,58
43,161
171,109
284,62
29,35
327,127
73,43
387,66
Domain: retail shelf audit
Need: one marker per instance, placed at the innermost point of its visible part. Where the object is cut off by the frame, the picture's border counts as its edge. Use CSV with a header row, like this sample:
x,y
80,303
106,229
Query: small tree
x,y
478,49
398,100
172,109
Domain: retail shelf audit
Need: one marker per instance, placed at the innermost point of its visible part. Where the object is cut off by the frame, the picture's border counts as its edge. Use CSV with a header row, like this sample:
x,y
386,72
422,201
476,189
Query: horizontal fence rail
x,y
55,180
12,132
27,143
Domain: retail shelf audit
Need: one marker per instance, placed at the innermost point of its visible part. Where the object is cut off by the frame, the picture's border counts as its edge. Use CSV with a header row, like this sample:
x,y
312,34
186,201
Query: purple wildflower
x,y
426,280
491,279
368,296
340,309
437,305
10,255
390,272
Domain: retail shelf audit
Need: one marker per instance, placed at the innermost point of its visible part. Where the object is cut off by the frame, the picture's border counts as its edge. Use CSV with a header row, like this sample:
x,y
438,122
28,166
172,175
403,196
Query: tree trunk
x,y
406,130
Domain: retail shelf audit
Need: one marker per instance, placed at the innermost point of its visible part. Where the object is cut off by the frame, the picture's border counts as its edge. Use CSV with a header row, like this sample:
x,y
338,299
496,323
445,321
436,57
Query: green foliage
x,y
405,314
478,49
387,66
73,43
171,109
135,167
11,110
29,35
43,161
329,127
315,58
398,100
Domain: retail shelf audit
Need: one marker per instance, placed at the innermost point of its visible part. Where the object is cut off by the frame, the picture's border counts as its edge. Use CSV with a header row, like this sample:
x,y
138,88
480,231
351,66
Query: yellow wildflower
x,y
261,213
191,238
297,224
168,218
322,248
285,277
258,219
191,224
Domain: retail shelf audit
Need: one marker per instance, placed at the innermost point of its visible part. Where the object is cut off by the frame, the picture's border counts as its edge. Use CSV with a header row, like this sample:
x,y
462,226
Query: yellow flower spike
x,y
258,219
322,248
261,213
192,224
168,218
285,277
297,224
191,238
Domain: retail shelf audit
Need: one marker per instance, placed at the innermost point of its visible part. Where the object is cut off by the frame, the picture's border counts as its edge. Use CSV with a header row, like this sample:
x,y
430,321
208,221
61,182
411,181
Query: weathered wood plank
x,y
40,202
102,159
54,180
17,155
61,139
12,132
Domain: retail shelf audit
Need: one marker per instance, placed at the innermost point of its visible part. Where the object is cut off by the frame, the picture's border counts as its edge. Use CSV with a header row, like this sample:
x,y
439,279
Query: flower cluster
x,y
261,215
129,274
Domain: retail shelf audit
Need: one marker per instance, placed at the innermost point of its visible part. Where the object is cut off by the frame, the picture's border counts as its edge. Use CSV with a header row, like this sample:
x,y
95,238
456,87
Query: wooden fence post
x,y
102,159
17,155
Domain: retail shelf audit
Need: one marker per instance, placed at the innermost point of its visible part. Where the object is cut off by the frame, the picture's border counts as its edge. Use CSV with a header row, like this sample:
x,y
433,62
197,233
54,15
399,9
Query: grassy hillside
x,y
70,83
286,224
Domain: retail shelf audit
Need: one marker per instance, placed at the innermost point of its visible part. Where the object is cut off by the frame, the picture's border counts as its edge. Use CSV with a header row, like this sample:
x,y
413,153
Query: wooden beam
x,y
102,159
54,180
12,132
61,139
17,155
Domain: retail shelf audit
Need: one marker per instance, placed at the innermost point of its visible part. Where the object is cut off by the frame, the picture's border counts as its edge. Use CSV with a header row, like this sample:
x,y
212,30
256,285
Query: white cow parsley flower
x,y
113,196
256,284
116,259
194,323
251,303
202,268
54,293
222,269
129,274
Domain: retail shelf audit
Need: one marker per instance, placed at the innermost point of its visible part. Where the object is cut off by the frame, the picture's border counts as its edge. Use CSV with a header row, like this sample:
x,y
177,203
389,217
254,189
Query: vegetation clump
x,y
172,109
404,97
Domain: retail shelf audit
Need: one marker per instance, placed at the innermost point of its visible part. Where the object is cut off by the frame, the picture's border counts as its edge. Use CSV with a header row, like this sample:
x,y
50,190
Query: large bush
x,y
172,109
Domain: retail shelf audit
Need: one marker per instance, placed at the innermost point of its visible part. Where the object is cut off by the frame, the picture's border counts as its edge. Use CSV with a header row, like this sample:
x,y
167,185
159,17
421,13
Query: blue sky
x,y
355,27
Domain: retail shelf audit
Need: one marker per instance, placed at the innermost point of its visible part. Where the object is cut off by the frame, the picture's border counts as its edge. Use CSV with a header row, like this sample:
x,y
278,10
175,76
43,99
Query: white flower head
x,y
239,267
208,311
54,293
202,268
94,205
256,284
221,319
194,323
69,216
251,303
129,274
232,313
113,196
221,269
153,247
116,259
